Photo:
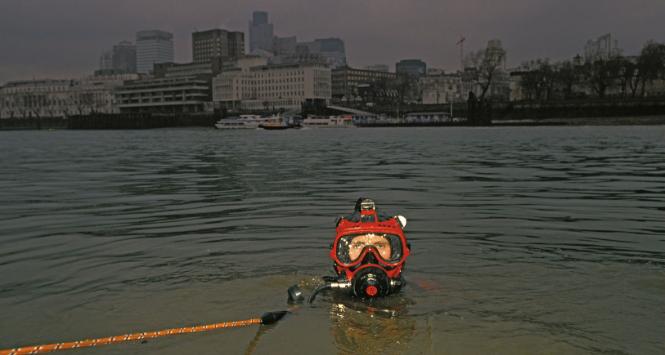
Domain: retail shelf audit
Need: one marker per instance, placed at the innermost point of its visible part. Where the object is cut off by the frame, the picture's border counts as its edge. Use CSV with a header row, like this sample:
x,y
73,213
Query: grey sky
x,y
64,38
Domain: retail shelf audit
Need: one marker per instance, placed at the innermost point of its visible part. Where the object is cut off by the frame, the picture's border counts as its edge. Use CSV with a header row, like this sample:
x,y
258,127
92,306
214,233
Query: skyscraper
x,y
153,47
124,57
217,43
260,32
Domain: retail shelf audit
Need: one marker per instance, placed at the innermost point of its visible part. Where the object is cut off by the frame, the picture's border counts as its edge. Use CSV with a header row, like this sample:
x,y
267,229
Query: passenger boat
x,y
241,122
344,121
277,122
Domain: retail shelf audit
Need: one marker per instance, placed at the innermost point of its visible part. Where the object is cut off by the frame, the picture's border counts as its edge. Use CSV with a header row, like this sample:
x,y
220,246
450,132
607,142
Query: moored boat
x,y
278,122
344,121
241,122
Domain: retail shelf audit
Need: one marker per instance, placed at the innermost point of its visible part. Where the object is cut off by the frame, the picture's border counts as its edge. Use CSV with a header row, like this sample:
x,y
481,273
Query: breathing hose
x,y
323,287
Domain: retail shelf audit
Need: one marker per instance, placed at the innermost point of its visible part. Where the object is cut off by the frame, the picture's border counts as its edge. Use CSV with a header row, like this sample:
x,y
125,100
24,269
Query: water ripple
x,y
519,231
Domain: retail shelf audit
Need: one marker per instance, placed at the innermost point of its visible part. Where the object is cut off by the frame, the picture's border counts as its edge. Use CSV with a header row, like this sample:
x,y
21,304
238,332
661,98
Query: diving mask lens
x,y
387,246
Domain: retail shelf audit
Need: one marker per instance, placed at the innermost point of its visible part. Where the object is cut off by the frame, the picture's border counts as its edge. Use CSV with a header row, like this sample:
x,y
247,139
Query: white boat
x,y
242,122
343,121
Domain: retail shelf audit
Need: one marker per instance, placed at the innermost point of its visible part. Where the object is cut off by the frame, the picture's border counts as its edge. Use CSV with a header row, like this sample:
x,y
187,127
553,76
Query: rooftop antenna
x,y
460,43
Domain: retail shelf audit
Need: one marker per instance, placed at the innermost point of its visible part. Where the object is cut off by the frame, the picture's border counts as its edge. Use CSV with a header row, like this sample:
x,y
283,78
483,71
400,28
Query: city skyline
x,y
375,32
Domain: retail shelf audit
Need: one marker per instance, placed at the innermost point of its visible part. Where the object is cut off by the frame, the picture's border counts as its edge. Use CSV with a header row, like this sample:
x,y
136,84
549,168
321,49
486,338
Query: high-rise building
x,y
153,47
217,43
124,57
120,59
260,32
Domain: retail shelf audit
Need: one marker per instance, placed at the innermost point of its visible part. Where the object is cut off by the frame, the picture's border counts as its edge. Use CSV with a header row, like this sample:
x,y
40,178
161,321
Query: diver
x,y
369,253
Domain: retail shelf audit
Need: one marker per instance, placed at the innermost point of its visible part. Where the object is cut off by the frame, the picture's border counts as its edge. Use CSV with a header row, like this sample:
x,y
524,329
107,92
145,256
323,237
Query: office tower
x,y
217,43
260,32
153,46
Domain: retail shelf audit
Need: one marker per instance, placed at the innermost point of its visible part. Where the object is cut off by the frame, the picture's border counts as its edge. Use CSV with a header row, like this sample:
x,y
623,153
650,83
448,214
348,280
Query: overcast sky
x,y
64,38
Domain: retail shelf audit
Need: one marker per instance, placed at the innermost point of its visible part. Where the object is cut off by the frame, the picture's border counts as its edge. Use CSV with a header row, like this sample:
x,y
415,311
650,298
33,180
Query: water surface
x,y
525,240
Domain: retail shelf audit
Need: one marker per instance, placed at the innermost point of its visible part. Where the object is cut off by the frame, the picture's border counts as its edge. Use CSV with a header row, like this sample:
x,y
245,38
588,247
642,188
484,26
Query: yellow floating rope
x,y
128,337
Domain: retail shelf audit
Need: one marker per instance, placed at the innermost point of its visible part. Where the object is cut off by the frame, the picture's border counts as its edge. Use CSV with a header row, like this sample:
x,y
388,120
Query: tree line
x,y
602,77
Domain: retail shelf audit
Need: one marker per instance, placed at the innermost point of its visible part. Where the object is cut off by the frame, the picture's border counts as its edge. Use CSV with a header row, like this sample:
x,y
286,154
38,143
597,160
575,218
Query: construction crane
x,y
460,43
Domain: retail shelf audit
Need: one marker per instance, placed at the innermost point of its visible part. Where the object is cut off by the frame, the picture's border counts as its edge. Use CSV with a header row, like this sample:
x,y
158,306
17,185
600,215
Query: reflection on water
x,y
525,240
382,326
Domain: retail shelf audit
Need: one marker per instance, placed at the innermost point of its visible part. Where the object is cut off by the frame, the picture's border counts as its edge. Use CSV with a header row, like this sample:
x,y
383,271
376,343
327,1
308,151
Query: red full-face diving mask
x,y
369,251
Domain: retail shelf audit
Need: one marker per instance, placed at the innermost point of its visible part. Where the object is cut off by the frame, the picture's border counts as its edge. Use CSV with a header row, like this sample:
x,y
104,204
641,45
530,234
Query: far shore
x,y
586,121
147,121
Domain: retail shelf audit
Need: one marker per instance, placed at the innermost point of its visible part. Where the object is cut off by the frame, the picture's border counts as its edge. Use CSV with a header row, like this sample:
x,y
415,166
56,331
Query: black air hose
x,y
323,287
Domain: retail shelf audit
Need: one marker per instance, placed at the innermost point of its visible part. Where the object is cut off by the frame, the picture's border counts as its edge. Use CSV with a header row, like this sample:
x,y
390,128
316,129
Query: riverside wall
x,y
109,121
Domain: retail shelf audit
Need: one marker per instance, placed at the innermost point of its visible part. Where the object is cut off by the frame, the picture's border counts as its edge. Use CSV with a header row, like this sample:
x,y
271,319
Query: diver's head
x,y
370,252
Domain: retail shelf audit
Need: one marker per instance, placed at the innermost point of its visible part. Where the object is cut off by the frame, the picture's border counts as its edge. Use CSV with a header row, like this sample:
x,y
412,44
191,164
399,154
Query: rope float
x,y
266,319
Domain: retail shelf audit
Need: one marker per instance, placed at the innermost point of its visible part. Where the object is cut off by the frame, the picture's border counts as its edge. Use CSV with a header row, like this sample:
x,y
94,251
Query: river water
x,y
534,240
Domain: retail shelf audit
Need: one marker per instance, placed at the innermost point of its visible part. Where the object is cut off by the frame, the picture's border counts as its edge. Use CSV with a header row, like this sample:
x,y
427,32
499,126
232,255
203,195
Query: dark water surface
x,y
525,240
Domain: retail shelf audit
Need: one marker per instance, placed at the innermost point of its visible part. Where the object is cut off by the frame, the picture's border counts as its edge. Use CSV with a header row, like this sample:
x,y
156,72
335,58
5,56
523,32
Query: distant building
x,y
331,49
378,67
60,98
441,89
36,98
435,71
287,50
411,67
254,86
297,58
493,51
207,69
173,88
284,45
603,48
246,63
153,47
165,95
106,61
217,43
350,84
96,94
124,57
260,32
